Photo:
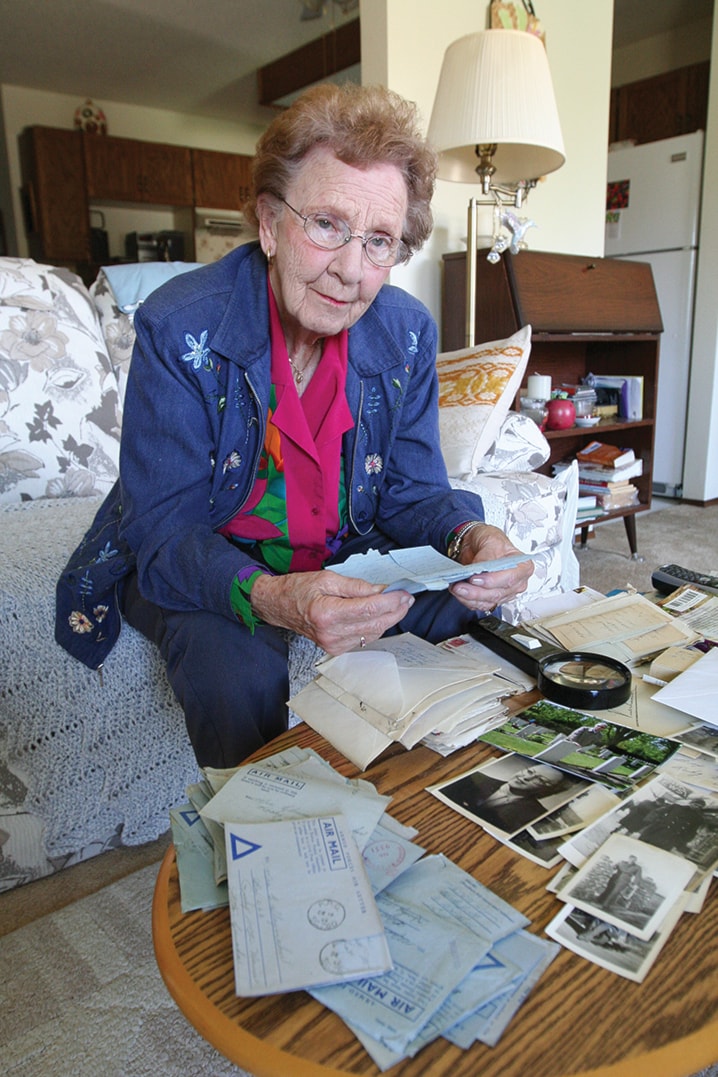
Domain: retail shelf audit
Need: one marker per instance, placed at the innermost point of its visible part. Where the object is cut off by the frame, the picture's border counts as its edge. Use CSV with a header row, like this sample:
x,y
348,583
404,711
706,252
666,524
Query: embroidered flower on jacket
x,y
100,612
198,355
79,622
373,463
232,462
106,553
413,343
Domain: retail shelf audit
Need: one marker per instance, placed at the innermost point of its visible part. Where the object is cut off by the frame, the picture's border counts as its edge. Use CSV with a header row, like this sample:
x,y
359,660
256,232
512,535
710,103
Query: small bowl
x,y
587,420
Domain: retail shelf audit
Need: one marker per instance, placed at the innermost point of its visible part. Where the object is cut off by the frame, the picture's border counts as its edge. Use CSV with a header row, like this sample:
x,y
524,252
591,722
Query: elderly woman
x,y
281,414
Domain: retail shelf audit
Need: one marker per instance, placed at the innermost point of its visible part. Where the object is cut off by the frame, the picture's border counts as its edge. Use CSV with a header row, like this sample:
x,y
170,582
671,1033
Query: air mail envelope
x,y
258,793
301,907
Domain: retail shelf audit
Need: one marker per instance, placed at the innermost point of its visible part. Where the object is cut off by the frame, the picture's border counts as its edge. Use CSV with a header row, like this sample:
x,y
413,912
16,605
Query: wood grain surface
x,y
579,1019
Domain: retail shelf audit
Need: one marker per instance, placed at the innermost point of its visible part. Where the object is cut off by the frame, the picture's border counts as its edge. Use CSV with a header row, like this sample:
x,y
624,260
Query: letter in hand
x,y
334,611
485,591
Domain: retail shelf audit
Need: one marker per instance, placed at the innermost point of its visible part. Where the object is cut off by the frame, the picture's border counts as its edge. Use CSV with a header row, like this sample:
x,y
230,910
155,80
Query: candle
x,y
539,386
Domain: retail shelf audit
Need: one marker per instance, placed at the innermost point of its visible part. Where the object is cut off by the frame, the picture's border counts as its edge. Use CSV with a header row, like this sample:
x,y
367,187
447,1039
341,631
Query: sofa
x,y
90,761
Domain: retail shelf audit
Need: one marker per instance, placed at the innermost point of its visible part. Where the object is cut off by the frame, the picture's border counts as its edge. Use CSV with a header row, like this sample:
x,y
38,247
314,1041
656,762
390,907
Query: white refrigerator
x,y
652,215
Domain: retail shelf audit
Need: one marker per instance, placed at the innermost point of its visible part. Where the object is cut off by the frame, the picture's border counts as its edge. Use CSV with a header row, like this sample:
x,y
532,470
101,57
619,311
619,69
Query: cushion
x,y
117,293
59,404
538,514
520,446
132,282
476,389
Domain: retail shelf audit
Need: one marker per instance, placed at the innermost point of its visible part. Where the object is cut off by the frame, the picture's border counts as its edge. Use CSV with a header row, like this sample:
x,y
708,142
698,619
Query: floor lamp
x,y
495,122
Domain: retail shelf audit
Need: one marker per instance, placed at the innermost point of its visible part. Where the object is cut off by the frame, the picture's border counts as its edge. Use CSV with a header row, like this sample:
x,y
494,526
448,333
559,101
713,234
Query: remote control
x,y
669,578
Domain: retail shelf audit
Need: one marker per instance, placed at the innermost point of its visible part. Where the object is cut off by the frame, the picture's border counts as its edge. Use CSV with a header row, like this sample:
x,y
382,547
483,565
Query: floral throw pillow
x,y
476,389
59,404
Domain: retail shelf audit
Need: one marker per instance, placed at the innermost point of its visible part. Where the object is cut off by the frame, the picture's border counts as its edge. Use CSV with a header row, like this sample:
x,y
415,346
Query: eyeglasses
x,y
330,233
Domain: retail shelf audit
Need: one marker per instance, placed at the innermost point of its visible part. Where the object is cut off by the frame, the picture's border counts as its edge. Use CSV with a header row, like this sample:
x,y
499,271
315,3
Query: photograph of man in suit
x,y
518,795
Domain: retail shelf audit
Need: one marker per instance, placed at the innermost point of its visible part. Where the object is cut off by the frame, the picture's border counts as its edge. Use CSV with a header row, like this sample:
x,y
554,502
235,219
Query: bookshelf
x,y
587,315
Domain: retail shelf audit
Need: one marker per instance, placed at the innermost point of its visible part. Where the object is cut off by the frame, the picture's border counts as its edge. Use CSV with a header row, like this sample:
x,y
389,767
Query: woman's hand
x,y
338,613
487,590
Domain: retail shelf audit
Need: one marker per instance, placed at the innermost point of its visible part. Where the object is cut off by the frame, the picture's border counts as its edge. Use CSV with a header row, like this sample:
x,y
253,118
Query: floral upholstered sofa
x,y
90,762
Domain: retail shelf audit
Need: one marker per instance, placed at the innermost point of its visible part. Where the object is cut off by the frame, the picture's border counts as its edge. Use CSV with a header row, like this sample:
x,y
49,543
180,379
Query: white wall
x,y
700,476
403,45
22,107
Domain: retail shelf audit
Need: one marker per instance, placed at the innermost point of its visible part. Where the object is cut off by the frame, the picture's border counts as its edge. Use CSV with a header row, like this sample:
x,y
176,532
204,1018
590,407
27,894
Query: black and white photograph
x,y
544,853
669,814
630,885
607,945
509,793
580,812
704,737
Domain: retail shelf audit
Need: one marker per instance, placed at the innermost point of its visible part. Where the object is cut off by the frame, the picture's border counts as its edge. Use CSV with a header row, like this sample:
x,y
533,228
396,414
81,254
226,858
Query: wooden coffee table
x,y
579,1019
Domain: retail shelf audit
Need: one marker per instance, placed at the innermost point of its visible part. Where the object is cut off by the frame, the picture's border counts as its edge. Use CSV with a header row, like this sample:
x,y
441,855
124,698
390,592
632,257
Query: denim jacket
x,y
193,430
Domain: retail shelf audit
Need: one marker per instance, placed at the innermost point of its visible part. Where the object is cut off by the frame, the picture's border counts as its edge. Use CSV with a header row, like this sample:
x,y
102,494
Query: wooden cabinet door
x,y
221,180
56,212
112,167
128,170
165,174
666,105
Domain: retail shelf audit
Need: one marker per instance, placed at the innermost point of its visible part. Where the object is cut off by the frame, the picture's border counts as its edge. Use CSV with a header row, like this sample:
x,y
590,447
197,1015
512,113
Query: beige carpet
x,y
82,996
670,533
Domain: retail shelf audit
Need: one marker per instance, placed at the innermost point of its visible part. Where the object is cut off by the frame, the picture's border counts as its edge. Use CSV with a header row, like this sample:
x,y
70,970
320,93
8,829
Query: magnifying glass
x,y
582,679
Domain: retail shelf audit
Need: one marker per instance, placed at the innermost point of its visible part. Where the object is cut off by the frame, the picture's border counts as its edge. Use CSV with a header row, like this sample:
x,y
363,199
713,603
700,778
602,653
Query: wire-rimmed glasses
x,y
330,233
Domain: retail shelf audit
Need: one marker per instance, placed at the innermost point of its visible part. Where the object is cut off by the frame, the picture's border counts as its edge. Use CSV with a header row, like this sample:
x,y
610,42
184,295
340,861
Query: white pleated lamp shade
x,y
495,87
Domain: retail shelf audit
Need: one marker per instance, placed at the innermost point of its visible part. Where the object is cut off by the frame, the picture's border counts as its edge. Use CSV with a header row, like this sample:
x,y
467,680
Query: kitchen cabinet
x,y
128,170
54,199
672,103
221,180
64,172
587,315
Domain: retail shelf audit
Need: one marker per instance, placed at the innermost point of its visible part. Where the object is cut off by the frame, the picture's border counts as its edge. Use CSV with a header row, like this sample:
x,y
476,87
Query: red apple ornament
x,y
561,414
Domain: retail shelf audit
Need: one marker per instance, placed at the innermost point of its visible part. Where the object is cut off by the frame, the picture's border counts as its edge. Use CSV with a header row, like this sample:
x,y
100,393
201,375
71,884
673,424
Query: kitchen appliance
x,y
165,246
652,215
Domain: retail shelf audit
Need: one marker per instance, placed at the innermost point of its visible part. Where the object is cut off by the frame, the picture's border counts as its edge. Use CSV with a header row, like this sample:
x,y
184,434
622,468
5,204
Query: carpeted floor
x,y
671,533
85,997
81,995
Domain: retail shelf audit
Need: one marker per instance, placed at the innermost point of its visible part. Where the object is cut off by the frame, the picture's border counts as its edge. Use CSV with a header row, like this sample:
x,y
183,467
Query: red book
x,y
600,454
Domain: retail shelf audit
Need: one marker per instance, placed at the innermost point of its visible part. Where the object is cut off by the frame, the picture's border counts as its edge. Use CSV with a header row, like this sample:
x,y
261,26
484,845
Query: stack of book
x,y
605,473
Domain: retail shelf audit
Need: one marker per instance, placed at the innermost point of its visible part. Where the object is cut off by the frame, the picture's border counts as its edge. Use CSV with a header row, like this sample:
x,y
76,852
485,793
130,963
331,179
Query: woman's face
x,y
321,292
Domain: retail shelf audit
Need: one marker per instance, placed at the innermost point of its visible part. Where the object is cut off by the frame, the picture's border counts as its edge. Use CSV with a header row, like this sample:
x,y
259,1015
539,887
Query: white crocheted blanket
x,y
84,764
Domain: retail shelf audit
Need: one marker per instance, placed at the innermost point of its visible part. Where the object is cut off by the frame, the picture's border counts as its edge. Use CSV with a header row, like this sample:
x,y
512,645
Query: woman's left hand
x,y
487,590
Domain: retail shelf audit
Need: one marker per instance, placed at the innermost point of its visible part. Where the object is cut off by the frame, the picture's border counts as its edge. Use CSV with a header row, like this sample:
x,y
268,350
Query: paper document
x,y
440,923
301,907
258,793
694,691
420,568
627,627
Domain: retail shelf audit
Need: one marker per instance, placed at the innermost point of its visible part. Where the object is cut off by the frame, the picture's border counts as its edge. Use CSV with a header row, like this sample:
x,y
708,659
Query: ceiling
x,y
200,56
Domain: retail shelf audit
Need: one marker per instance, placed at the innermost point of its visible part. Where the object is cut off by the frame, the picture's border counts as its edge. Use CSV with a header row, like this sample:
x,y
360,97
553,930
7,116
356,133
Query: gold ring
x,y
362,641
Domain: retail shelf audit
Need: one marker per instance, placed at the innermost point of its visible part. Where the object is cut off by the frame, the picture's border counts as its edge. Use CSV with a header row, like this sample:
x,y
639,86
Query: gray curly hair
x,y
363,126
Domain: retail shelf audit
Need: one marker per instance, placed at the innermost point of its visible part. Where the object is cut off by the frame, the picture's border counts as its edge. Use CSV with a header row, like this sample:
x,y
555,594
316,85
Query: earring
x,y
270,258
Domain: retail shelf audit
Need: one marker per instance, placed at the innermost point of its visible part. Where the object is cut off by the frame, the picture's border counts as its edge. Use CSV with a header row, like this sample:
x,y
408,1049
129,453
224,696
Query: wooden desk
x,y
579,1019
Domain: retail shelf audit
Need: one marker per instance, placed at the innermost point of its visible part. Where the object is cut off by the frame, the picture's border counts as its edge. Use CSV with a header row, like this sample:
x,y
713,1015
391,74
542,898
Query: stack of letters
x,y
404,947
403,689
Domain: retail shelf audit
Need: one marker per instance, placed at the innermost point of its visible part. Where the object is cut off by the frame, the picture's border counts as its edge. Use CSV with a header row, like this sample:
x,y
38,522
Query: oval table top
x,y
579,1020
